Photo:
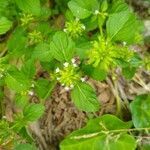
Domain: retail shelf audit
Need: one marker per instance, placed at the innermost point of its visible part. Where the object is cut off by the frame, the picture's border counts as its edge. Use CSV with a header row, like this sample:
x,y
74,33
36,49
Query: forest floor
x,y
62,117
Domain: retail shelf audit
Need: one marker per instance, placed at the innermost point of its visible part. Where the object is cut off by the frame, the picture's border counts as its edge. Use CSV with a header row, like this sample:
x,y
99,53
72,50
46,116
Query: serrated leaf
x,y
93,136
17,43
44,88
118,6
140,111
24,147
29,69
122,26
32,112
17,81
95,73
83,9
29,6
85,98
5,25
42,52
62,47
21,100
128,72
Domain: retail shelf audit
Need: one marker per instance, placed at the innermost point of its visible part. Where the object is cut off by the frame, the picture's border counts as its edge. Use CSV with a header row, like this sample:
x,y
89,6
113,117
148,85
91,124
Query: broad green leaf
x,y
32,112
82,46
140,111
83,9
42,52
62,47
17,81
29,69
29,6
102,133
5,25
44,88
129,68
122,26
118,6
101,142
103,124
85,98
21,100
17,42
90,23
95,73
24,147
128,72
145,145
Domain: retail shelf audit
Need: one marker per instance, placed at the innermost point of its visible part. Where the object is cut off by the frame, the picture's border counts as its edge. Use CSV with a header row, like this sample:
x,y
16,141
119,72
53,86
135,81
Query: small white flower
x,y
124,43
83,79
83,27
65,30
73,60
57,70
66,64
71,86
67,88
75,65
58,79
96,12
31,93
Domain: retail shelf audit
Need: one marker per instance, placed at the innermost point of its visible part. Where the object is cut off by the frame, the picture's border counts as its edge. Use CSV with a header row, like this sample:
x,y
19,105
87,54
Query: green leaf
x,y
62,47
100,134
95,73
82,46
122,26
29,69
44,88
5,25
19,37
17,81
128,72
140,111
21,100
32,112
118,6
24,147
42,52
29,6
85,98
83,9
129,68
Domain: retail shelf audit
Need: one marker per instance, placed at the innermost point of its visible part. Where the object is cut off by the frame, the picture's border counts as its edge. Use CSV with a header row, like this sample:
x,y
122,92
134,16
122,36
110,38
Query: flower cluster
x,y
69,75
102,54
26,19
35,37
74,28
